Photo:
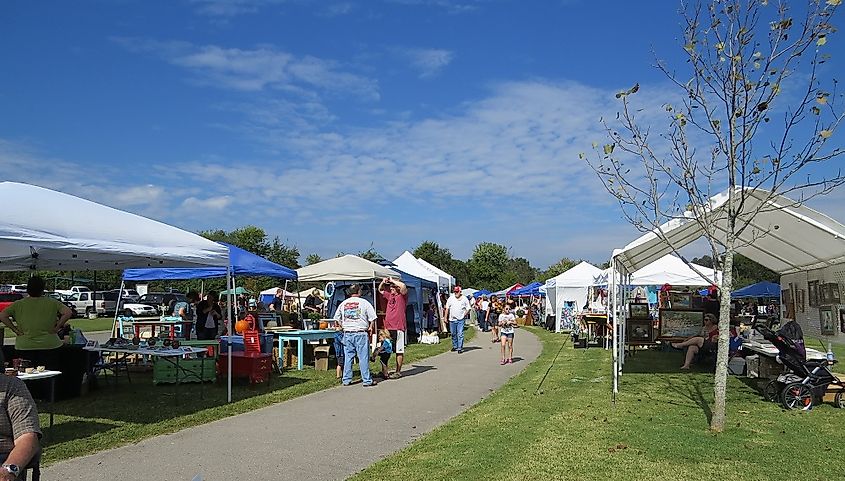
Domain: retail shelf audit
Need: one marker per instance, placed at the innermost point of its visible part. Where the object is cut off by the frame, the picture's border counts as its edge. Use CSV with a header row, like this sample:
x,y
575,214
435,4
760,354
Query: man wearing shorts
x,y
395,293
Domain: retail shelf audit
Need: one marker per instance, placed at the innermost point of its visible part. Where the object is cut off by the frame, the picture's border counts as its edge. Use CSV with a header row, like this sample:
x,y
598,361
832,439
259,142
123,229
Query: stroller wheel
x,y
839,400
797,396
772,390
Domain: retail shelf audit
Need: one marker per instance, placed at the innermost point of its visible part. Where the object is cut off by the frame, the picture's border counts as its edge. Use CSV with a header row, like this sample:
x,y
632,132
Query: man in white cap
x,y
457,308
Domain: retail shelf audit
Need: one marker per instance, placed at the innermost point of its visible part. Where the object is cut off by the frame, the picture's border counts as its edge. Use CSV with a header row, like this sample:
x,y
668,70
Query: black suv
x,y
162,299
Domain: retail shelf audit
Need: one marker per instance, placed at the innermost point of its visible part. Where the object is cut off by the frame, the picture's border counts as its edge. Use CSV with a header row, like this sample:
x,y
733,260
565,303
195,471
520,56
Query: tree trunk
x,y
717,422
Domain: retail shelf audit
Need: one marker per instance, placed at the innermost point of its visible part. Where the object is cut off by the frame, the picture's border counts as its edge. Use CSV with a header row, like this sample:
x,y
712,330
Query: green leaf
x,y
608,148
825,134
821,41
834,3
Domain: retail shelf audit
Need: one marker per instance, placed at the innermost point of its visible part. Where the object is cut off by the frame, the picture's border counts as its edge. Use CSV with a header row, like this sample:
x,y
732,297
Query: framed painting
x,y
833,289
638,310
640,331
813,293
680,300
824,294
827,321
799,299
681,322
842,321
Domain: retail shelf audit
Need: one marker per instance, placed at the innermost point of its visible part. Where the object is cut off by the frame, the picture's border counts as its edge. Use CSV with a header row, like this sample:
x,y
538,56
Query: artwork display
x,y
833,289
681,323
827,321
799,299
842,321
813,293
638,310
680,300
640,331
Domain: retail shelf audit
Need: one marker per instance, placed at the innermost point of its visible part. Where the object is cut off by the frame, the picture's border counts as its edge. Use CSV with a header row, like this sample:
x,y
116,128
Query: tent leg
x,y
118,328
229,331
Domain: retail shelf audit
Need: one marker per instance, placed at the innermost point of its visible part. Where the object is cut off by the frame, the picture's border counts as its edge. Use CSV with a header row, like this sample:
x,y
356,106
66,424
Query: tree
x,y
745,271
435,255
522,271
489,265
741,63
558,268
313,259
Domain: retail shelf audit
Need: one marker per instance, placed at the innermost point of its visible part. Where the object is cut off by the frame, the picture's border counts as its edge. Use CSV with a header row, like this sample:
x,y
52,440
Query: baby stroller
x,y
803,382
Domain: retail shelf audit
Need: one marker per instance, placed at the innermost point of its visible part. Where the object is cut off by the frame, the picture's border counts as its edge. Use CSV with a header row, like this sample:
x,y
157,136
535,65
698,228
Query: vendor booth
x,y
801,244
37,234
567,294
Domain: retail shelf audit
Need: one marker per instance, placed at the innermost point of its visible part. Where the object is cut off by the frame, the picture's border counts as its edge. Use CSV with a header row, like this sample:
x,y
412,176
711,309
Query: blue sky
x,y
336,125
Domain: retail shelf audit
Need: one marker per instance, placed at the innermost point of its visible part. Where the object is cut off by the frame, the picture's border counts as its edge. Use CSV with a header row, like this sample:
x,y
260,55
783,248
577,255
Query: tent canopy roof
x,y
344,268
671,270
783,236
243,263
532,289
581,275
47,230
437,270
411,265
760,289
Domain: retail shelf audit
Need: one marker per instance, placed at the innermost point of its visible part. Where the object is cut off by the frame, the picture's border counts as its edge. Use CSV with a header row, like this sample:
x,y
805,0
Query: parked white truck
x,y
73,290
84,302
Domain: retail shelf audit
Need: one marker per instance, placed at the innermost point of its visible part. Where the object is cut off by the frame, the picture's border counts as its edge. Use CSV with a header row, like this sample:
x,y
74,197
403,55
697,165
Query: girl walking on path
x,y
507,324
493,311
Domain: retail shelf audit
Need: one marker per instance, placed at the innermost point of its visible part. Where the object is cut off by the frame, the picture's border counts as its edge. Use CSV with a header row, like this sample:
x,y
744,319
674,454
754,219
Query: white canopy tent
x,y
344,268
670,269
570,286
43,229
409,264
784,236
446,280
37,233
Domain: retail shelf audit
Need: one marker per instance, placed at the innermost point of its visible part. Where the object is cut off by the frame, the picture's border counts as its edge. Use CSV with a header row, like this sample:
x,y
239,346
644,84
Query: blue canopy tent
x,y
532,289
241,262
482,292
414,308
760,289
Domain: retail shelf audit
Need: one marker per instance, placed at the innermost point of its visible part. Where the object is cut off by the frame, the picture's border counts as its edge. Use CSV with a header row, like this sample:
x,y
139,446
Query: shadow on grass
x,y
417,369
70,430
692,388
649,361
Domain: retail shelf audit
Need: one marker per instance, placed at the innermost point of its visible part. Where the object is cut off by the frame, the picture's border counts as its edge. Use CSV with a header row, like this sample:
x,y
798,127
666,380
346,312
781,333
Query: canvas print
x,y
680,322
640,331
824,294
680,300
828,326
834,293
638,310
813,293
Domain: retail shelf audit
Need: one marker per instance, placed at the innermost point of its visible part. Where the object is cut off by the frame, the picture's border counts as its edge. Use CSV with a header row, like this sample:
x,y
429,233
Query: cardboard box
x,y
321,358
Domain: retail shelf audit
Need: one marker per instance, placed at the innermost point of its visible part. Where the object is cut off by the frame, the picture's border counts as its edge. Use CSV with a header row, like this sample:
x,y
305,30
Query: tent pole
x,y
117,329
229,331
615,355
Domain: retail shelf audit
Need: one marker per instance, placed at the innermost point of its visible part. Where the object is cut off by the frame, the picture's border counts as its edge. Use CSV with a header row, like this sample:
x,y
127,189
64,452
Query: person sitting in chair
x,y
706,343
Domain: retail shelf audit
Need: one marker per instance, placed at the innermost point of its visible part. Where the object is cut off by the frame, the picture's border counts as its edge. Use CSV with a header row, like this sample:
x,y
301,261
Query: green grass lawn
x,y
115,415
87,325
555,420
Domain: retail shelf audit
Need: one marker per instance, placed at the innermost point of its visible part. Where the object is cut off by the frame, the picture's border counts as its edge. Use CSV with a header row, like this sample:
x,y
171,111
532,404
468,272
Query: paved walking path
x,y
327,435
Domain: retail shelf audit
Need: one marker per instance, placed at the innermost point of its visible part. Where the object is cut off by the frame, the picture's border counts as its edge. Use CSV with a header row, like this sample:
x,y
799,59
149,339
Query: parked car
x,y
73,290
7,298
64,300
19,288
106,302
161,300
133,309
129,295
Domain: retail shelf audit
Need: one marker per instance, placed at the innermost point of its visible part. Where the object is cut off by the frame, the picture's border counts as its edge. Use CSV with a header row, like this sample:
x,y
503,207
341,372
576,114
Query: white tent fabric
x,y
411,265
572,285
42,229
505,290
670,269
344,268
272,292
770,240
446,279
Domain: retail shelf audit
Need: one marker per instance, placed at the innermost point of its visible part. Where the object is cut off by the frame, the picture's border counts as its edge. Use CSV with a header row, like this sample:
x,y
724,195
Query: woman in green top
x,y
37,319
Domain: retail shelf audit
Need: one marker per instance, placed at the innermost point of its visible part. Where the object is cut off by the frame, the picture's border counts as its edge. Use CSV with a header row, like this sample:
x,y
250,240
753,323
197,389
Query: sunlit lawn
x,y
115,415
556,421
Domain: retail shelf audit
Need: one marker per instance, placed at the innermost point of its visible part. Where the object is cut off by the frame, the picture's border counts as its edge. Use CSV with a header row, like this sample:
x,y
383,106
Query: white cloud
x,y
199,206
428,61
257,69
450,6
338,9
230,8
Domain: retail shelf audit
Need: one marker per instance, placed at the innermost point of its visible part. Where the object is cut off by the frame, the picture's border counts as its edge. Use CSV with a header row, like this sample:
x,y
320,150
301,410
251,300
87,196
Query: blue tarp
x,y
760,289
243,263
482,292
532,289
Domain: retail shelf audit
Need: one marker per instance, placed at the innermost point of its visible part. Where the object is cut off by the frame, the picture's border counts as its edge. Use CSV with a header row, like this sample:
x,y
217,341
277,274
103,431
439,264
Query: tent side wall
x,y
810,318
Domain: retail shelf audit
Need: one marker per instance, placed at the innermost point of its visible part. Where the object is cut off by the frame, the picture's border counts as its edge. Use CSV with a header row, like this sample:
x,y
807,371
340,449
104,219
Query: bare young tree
x,y
751,118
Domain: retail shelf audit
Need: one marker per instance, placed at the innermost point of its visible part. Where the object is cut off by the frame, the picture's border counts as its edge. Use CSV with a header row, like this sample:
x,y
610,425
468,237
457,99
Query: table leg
x,y
299,343
52,398
281,353
137,331
178,378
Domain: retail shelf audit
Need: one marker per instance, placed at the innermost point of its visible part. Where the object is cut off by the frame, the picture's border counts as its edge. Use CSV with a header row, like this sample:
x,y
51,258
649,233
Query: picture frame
x,y
799,299
680,323
842,321
680,300
640,331
812,294
824,294
638,310
833,290
785,296
827,323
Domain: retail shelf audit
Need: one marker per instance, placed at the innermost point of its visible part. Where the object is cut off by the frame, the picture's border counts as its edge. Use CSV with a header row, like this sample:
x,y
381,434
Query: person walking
x,y
493,311
482,305
507,324
457,308
395,292
356,317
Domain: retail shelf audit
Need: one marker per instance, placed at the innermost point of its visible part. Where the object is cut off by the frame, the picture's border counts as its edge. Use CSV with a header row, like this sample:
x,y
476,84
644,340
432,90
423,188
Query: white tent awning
x,y
783,236
344,268
409,264
43,229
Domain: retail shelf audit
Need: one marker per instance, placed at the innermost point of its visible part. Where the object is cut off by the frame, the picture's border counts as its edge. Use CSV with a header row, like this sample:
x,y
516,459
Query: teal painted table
x,y
300,336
